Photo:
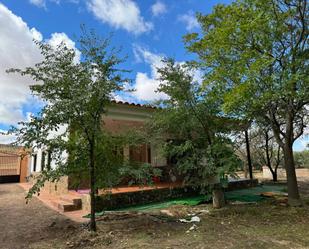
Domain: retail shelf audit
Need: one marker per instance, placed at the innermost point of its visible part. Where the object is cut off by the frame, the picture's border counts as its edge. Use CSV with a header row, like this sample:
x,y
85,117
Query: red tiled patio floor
x,y
129,189
48,199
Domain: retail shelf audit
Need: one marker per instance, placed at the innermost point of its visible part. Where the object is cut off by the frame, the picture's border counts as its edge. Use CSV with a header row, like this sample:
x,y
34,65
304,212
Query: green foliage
x,y
139,173
254,55
302,158
75,96
255,58
111,166
73,93
190,129
264,150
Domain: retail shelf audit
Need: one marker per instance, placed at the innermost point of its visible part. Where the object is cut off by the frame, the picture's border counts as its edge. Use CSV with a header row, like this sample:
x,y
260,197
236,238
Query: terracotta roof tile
x,y
133,104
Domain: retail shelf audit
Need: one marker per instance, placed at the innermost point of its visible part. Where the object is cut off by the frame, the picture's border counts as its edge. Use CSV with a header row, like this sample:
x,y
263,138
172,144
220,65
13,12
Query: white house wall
x,y
38,151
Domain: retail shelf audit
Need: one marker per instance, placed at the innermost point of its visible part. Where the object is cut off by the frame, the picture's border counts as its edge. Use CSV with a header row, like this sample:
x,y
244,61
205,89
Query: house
x,y
120,117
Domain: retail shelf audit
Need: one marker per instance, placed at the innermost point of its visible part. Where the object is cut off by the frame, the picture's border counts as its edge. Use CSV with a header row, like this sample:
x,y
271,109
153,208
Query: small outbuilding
x,y
14,164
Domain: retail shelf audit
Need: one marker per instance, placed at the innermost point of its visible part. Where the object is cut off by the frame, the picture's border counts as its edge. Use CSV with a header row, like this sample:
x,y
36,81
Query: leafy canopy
x,y
190,129
255,57
70,125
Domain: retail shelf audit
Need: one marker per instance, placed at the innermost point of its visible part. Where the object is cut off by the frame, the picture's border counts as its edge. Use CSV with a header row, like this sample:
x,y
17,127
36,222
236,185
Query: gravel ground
x,y
22,225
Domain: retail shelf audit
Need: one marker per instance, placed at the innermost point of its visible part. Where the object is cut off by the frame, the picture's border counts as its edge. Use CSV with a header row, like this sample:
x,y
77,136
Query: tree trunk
x,y
277,164
93,226
248,154
293,194
275,176
286,143
218,200
268,160
246,171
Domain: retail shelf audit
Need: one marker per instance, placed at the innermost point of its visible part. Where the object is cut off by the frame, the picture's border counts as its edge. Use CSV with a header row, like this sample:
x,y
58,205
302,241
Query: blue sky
x,y
146,30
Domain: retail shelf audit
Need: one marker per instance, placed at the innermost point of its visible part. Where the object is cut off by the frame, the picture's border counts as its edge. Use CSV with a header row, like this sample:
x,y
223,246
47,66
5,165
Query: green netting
x,y
243,195
253,194
190,201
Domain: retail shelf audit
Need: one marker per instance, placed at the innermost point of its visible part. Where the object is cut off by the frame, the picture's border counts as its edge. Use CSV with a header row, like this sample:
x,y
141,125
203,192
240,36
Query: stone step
x,y
65,206
72,199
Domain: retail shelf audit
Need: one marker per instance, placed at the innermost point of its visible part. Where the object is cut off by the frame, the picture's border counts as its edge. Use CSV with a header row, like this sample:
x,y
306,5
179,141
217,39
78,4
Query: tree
x,y
191,132
266,151
76,95
248,153
263,147
255,56
302,158
243,144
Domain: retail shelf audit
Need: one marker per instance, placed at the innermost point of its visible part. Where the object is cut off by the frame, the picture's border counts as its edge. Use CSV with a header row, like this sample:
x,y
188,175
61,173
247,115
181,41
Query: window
x,y
34,162
149,153
49,159
43,160
138,153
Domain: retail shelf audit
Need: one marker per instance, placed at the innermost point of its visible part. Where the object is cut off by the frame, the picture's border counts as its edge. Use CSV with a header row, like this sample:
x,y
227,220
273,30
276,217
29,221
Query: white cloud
x,y
42,3
145,85
57,38
10,114
6,139
36,34
158,8
38,3
124,98
189,20
123,14
197,76
17,50
146,88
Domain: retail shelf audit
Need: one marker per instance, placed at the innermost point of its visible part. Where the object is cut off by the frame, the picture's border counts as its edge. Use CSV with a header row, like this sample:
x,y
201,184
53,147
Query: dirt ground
x,y
269,224
23,225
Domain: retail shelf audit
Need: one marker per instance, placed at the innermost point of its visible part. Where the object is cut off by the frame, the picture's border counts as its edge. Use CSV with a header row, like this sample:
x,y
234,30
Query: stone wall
x,y
57,188
86,202
54,188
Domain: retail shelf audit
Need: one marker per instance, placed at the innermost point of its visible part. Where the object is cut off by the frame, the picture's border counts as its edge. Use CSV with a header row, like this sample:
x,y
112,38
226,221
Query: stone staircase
x,y
67,203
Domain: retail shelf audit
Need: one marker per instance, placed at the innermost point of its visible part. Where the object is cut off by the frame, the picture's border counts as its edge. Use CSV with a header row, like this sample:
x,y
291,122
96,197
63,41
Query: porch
x,y
76,204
